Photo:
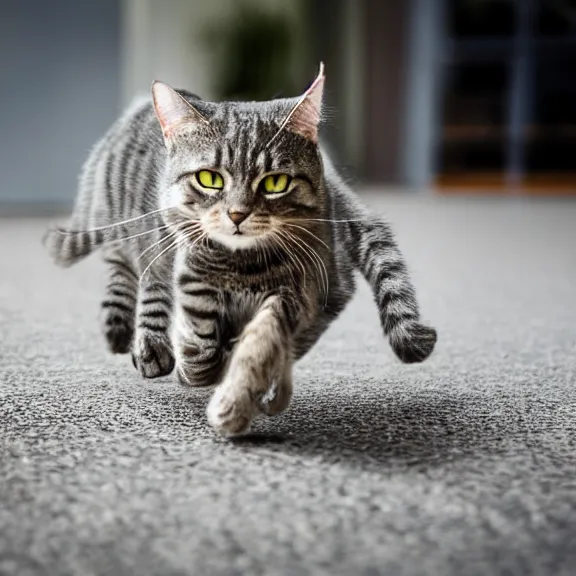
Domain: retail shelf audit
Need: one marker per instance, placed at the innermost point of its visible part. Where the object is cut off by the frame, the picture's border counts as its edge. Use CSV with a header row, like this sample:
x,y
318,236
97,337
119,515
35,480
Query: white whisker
x,y
316,260
325,220
308,232
173,245
286,237
290,255
162,240
156,258
128,221
156,244
118,240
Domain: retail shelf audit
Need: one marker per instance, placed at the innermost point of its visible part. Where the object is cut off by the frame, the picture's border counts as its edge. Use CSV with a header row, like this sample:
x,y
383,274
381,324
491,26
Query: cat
x,y
232,244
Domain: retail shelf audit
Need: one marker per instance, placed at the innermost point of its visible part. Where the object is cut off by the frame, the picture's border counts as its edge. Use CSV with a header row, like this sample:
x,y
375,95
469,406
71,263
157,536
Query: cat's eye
x,y
209,180
276,183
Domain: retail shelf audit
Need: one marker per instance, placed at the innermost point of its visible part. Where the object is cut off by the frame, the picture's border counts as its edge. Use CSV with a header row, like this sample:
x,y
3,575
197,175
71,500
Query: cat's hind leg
x,y
152,349
119,304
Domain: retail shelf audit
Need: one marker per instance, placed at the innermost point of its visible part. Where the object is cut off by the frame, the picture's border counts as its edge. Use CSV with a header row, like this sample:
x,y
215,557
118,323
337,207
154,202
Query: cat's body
x,y
234,280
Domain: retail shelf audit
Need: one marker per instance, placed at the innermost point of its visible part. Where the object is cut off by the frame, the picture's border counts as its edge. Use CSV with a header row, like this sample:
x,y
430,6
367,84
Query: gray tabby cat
x,y
232,247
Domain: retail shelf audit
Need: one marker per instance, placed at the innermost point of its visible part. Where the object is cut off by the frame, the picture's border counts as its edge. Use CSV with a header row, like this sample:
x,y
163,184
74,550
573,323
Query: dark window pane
x,y
479,156
555,96
473,133
552,154
551,135
556,17
481,17
475,94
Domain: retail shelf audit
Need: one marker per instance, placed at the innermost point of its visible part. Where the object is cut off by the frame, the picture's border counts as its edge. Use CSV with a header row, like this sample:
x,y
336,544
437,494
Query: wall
x,y
59,62
423,91
386,33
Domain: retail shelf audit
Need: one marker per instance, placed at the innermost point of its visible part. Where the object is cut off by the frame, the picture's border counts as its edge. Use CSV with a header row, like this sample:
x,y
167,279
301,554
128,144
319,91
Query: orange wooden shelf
x,y
494,183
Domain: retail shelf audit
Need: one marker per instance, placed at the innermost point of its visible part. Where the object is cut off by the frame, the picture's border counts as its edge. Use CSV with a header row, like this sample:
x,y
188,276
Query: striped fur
x,y
226,303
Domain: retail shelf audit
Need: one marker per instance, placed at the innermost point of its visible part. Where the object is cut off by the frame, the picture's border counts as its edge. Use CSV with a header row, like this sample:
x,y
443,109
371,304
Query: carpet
x,y
465,464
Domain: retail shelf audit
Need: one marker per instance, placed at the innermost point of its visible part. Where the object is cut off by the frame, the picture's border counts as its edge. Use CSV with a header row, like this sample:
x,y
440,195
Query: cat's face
x,y
236,174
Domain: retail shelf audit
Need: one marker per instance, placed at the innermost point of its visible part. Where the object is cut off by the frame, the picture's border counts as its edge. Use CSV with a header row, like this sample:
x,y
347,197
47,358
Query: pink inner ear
x,y
172,110
305,117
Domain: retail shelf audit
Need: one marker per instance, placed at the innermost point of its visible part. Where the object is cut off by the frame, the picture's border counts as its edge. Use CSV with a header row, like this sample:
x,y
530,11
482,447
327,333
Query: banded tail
x,y
66,247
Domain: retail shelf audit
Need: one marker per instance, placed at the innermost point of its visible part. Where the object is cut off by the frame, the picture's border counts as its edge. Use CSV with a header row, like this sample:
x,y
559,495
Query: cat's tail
x,y
66,247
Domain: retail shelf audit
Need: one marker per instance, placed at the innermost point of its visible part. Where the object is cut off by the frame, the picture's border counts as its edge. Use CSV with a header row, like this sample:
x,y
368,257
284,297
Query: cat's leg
x,y
119,304
370,243
382,264
261,360
279,393
199,348
152,350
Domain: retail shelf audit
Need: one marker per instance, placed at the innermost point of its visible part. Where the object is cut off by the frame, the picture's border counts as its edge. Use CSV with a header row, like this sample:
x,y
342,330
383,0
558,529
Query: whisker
x,y
324,220
260,248
156,244
290,256
286,237
308,232
314,257
118,240
158,256
174,244
162,240
128,221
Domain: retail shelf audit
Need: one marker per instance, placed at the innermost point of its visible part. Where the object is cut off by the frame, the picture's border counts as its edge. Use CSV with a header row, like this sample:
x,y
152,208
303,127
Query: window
x,y
556,17
474,18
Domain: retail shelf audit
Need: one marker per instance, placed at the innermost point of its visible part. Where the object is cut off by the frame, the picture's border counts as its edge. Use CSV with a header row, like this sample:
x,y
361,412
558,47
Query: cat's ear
x,y
304,118
173,110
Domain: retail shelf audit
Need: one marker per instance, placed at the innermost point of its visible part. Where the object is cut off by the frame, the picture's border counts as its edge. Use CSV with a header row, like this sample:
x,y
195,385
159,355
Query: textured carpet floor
x,y
463,465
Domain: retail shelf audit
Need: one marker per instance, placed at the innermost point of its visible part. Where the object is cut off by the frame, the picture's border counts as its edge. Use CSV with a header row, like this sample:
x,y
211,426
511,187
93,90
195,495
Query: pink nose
x,y
238,216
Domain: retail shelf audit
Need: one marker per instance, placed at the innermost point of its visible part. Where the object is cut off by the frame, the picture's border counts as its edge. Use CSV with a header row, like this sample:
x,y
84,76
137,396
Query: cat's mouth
x,y
237,240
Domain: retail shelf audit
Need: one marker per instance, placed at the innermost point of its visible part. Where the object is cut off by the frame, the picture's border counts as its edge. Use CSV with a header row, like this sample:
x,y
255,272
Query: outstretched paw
x,y
152,355
277,398
230,412
413,342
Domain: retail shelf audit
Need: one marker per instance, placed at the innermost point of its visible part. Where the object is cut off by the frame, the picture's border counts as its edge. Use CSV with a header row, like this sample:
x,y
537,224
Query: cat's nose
x,y
237,215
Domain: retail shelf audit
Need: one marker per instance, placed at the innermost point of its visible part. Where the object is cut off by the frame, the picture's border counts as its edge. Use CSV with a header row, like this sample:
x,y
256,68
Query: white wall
x,y
59,91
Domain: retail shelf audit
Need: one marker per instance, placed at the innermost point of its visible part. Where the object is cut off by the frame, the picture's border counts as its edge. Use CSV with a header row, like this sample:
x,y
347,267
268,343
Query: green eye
x,y
276,183
210,180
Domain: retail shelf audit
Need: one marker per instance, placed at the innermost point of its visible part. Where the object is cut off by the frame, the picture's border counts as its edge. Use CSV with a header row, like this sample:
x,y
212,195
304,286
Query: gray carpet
x,y
463,465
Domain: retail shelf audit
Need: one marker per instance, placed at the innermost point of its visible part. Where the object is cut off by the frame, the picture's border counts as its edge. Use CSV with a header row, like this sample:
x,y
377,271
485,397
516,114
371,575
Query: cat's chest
x,y
245,278
239,307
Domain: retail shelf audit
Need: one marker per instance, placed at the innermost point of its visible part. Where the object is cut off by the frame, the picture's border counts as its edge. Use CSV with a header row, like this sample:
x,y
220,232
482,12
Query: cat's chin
x,y
235,242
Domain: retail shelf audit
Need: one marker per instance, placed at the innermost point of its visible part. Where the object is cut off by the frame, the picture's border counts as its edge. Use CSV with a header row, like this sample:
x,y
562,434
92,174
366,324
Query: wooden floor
x,y
540,185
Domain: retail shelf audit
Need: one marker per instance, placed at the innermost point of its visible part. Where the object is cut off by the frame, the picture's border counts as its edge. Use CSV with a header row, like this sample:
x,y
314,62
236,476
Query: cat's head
x,y
241,172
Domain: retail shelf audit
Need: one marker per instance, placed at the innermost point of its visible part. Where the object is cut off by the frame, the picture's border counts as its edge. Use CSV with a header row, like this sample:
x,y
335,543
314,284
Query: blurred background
x,y
443,96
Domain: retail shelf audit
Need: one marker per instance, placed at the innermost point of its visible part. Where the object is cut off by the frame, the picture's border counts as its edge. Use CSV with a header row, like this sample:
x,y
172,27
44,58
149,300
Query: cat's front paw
x,y
277,398
152,355
230,411
413,342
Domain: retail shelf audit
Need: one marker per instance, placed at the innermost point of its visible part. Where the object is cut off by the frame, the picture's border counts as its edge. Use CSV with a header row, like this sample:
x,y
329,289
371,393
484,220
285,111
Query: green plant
x,y
254,50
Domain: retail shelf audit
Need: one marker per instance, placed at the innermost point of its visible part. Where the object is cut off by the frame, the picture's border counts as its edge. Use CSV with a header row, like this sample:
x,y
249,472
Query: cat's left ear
x,y
173,111
304,118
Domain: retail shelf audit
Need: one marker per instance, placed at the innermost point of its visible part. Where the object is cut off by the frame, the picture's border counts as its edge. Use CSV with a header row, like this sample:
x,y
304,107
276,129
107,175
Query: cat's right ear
x,y
173,111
